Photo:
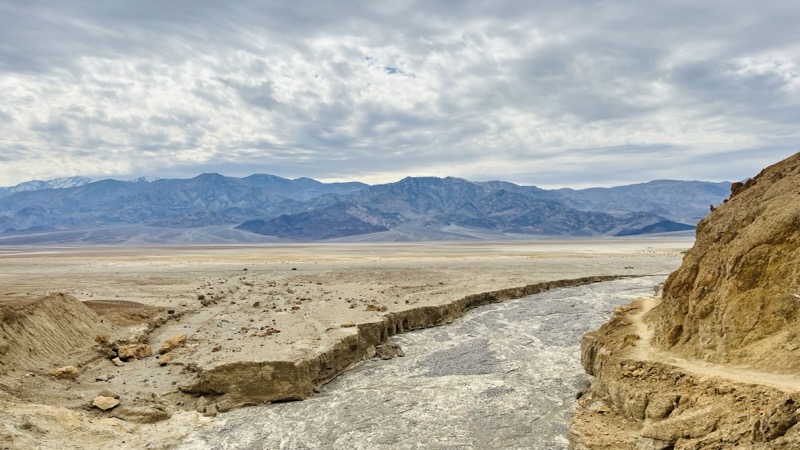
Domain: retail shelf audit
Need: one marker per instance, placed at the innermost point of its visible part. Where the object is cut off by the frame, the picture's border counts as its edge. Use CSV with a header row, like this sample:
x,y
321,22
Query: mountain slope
x,y
308,209
36,185
338,220
208,199
680,201
440,202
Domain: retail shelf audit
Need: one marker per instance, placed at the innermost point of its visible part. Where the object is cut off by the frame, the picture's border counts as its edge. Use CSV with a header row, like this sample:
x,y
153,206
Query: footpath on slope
x,y
642,397
644,351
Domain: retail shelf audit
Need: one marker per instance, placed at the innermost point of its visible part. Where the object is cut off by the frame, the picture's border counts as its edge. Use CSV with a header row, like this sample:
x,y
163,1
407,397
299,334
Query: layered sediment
x,y
238,383
56,330
715,363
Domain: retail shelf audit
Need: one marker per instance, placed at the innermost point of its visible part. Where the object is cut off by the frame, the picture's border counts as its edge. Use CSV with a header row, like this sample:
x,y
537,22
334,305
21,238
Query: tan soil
x,y
262,323
643,397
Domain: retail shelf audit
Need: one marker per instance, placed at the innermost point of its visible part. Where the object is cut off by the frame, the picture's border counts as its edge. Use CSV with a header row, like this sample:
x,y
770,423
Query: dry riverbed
x,y
264,313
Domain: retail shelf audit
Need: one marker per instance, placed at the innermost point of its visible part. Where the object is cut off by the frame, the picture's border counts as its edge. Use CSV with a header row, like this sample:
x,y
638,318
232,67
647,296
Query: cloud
x,y
551,93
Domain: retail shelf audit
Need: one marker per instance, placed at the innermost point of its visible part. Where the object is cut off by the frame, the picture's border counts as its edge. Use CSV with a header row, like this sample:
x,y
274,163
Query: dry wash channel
x,y
166,342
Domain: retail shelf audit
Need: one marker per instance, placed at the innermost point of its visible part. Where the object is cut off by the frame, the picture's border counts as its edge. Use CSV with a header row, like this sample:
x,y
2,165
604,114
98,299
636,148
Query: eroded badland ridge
x,y
715,363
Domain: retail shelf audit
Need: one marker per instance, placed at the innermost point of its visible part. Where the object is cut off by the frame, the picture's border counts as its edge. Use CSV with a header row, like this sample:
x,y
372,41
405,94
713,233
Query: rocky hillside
x,y
205,200
38,185
736,296
434,203
715,363
304,209
685,201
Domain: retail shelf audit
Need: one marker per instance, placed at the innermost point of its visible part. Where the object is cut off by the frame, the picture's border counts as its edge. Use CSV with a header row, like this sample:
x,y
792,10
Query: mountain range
x,y
267,207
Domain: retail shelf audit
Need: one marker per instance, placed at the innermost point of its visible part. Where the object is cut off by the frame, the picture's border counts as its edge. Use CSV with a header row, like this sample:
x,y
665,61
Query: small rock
x,y
65,373
348,325
376,308
107,393
645,443
142,414
134,351
267,332
389,350
172,343
206,407
690,425
598,407
105,403
117,362
216,349
660,406
165,359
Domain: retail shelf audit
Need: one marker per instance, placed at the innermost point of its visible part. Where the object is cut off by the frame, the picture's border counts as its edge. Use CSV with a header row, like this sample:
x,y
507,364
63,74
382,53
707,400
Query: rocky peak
x,y
736,297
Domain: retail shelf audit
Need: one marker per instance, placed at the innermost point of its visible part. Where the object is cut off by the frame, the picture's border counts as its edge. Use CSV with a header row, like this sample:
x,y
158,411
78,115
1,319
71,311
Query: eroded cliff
x,y
735,297
714,363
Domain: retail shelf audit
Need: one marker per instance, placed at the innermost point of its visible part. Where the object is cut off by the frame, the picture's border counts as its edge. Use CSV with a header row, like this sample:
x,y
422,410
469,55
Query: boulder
x,y
104,403
163,360
134,351
65,373
172,343
388,350
107,393
142,414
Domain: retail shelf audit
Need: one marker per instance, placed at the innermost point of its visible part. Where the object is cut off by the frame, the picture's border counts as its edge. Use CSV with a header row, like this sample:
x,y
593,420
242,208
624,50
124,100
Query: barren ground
x,y
312,294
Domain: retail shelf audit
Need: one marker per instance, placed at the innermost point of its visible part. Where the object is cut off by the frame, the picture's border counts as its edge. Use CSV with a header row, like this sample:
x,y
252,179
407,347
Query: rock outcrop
x,y
715,363
735,298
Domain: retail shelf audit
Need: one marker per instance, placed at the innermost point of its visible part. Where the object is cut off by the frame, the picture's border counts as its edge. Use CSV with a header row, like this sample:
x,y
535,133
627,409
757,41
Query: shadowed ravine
x,y
502,376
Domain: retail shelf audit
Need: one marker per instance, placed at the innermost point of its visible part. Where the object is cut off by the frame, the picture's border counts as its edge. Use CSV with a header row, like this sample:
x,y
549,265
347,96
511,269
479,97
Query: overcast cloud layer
x,y
561,93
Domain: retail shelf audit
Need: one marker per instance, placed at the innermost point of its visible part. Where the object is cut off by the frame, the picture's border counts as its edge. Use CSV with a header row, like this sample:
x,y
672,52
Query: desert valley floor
x,y
266,304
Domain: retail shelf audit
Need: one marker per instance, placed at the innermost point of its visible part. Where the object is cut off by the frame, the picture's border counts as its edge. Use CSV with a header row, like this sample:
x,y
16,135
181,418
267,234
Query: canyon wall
x,y
715,363
735,298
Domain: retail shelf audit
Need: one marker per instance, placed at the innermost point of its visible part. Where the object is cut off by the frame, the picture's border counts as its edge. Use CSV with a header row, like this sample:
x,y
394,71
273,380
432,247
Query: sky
x,y
546,93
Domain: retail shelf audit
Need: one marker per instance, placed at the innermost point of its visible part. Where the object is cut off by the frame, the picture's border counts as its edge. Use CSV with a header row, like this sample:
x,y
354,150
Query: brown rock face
x,y
736,297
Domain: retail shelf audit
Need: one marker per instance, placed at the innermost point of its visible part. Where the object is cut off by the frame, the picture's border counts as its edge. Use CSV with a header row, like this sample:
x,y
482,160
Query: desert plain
x,y
246,312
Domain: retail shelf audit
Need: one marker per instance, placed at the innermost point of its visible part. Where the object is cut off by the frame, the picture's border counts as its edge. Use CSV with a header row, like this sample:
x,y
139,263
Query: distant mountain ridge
x,y
307,209
36,185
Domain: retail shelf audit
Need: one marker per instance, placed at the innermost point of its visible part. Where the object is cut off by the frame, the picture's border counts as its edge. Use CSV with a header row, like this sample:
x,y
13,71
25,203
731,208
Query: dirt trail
x,y
644,350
